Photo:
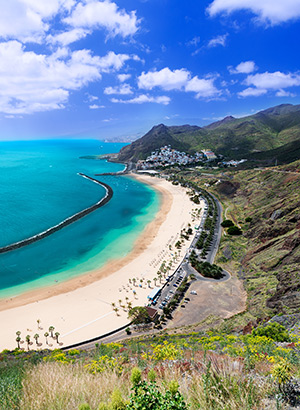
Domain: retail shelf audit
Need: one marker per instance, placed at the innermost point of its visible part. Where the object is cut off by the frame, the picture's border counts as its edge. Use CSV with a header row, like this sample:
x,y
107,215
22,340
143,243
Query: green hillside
x,y
234,138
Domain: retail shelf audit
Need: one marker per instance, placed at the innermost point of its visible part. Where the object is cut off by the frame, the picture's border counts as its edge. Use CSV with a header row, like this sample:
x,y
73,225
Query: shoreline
x,y
82,307
112,265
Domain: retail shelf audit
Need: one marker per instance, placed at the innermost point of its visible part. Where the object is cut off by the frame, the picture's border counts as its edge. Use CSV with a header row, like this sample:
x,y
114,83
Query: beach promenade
x,y
97,302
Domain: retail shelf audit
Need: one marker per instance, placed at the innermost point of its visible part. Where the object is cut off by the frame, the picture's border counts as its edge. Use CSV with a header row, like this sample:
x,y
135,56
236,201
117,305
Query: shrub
x,y
234,230
282,372
136,376
227,223
273,331
117,401
152,375
147,396
84,406
248,219
103,406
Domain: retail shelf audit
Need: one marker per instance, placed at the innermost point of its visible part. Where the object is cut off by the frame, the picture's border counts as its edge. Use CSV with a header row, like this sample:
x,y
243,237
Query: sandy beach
x,y
96,302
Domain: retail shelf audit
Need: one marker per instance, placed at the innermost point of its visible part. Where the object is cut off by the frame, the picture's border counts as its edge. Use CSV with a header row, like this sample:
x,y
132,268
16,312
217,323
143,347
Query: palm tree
x,y
113,304
28,341
120,301
46,334
155,280
129,280
18,340
38,323
18,333
149,283
51,329
36,337
116,310
56,336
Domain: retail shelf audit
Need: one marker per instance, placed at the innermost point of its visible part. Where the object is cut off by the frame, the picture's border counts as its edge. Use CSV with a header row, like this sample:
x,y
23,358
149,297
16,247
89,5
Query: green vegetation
x,y
270,135
139,315
198,370
205,268
274,331
234,230
227,223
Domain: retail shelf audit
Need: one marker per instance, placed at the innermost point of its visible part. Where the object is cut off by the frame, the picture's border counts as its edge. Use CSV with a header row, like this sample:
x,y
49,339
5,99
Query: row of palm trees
x,y
37,336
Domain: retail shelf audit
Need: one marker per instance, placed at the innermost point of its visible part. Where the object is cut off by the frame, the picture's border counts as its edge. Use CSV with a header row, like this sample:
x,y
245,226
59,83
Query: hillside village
x,y
167,156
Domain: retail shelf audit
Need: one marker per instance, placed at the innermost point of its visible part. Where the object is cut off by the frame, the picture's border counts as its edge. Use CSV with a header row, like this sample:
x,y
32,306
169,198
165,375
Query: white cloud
x,y
245,67
165,79
31,82
95,106
178,80
143,98
267,11
252,92
92,98
218,41
123,89
194,42
67,37
103,14
283,93
123,77
203,87
273,81
28,20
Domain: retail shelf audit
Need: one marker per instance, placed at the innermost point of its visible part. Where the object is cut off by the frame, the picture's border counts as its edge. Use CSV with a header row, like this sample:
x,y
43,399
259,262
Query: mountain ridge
x,y
264,131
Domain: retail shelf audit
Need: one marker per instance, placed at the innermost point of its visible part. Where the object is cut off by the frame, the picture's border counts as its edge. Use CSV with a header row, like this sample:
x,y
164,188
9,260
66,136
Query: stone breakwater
x,y
67,221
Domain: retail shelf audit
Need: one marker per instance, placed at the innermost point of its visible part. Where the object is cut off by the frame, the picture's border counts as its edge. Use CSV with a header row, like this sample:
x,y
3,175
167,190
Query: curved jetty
x,y
68,221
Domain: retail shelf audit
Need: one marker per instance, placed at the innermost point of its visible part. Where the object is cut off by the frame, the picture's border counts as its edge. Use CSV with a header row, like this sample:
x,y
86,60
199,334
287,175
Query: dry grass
x,y
207,383
59,386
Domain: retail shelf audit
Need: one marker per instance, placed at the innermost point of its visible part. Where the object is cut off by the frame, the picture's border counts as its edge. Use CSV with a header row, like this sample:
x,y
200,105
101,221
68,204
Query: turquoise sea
x,y
40,187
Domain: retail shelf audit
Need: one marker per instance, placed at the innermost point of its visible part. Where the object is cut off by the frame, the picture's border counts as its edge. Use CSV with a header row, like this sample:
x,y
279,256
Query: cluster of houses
x,y
167,156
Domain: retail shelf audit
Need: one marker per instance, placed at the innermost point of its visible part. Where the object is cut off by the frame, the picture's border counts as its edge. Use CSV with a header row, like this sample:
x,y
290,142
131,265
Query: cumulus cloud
x,y
67,37
32,20
123,77
28,20
267,11
181,80
123,89
273,81
218,41
31,82
261,83
245,67
143,98
252,92
165,79
204,88
103,14
283,93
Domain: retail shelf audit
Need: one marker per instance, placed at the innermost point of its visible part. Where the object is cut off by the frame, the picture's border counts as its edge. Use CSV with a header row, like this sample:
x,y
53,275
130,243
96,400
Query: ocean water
x,y
40,187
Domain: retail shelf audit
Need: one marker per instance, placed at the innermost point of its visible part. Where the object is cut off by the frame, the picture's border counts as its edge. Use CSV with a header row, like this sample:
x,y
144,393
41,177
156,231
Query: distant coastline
x,y
66,222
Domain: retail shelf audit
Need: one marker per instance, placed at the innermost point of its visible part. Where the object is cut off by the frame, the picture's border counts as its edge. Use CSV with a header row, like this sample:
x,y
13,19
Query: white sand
x,y
81,308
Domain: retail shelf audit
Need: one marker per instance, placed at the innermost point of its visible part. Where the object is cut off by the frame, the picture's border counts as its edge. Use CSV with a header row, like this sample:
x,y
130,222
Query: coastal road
x,y
169,288
217,234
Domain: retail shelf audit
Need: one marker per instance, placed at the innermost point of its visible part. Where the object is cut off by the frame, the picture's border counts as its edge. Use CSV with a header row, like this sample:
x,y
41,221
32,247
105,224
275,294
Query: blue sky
x,y
113,69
